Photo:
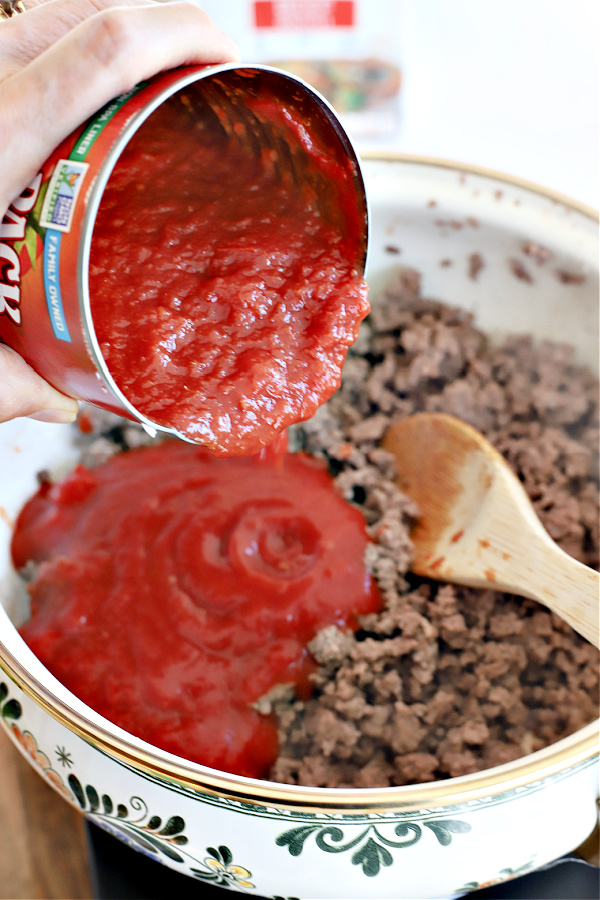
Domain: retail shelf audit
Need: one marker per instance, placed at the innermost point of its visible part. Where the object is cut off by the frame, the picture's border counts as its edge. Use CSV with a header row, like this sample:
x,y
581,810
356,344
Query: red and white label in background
x,y
304,13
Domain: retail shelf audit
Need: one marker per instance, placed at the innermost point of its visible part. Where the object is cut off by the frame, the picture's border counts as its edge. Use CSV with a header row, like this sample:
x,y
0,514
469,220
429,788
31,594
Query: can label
x,y
100,121
61,196
59,207
43,313
13,237
57,217
52,286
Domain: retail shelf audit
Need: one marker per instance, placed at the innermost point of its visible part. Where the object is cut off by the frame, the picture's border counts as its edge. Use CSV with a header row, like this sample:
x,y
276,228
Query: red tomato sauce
x,y
174,589
221,291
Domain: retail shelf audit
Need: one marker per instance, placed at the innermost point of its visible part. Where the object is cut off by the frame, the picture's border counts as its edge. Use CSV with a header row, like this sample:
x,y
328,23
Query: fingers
x,y
24,393
24,39
106,53
59,63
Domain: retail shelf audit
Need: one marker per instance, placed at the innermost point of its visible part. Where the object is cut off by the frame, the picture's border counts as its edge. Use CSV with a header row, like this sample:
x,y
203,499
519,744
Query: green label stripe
x,y
59,205
98,123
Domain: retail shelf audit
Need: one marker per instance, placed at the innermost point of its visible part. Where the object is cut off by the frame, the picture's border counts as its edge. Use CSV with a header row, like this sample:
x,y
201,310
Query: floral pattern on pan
x,y
370,848
133,823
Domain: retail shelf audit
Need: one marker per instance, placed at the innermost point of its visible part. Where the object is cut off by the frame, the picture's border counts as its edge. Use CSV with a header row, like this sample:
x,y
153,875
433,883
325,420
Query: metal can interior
x,y
218,93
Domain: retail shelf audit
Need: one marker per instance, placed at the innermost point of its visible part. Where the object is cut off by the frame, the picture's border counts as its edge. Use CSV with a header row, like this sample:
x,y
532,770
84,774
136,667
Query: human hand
x,y
60,62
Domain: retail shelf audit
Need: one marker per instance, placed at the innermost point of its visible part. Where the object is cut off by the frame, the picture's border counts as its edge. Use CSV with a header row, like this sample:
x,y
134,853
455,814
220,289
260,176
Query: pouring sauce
x,y
222,284
174,589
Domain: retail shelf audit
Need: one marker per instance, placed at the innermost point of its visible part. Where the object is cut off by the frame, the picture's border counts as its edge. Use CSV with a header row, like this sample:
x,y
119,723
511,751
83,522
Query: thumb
x,y
25,393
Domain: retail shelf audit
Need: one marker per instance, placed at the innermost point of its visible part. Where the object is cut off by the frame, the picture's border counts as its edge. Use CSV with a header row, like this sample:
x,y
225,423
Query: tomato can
x,y
46,233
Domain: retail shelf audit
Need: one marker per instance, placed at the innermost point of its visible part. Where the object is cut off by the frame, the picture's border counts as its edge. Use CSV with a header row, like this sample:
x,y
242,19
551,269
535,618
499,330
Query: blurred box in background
x,y
349,50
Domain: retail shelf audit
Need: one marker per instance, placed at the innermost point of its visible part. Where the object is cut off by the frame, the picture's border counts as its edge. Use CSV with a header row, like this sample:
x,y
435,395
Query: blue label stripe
x,y
52,284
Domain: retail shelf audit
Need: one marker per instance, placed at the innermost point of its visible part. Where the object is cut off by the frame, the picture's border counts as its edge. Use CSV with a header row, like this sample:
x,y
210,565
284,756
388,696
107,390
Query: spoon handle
x,y
533,567
537,567
568,588
504,546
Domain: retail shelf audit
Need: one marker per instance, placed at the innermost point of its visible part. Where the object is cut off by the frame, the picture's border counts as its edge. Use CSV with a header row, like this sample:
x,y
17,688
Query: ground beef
x,y
444,680
447,680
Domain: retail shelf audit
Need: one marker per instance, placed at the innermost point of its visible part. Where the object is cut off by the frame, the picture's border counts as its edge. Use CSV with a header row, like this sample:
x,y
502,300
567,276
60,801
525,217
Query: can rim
x,y
190,74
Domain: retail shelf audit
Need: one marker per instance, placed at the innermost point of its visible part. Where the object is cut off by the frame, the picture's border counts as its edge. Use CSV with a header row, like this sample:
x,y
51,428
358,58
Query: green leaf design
x,y
75,785
445,828
295,838
12,709
93,798
104,809
402,830
226,855
163,847
34,228
371,843
174,825
144,841
31,244
222,855
36,213
205,876
336,835
371,856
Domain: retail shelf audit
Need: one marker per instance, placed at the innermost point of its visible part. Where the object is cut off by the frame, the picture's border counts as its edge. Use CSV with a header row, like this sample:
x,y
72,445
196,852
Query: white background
x,y
508,84
511,85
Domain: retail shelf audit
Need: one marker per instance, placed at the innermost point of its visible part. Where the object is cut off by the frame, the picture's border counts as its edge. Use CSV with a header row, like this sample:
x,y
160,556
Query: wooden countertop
x,y
43,854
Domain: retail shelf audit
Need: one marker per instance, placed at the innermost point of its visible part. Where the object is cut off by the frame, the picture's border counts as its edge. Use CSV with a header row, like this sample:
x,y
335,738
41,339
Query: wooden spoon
x,y
477,526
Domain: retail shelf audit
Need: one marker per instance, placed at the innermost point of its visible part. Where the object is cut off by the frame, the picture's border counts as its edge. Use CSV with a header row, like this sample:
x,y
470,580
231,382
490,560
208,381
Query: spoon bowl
x,y
477,525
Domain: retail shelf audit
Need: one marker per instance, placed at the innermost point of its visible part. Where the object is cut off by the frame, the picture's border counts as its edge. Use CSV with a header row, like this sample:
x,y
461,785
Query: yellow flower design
x,y
230,874
220,869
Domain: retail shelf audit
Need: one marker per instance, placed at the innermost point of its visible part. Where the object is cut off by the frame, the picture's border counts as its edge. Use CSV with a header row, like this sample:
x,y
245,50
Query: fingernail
x,y
56,416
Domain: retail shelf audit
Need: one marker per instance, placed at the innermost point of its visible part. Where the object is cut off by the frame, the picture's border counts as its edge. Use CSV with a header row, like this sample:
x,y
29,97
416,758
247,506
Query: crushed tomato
x,y
222,291
174,589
